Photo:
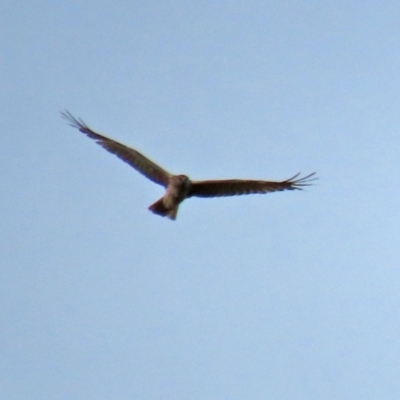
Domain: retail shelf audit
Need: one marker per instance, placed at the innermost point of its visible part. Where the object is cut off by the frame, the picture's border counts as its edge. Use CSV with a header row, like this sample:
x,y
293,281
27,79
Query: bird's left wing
x,y
235,187
135,159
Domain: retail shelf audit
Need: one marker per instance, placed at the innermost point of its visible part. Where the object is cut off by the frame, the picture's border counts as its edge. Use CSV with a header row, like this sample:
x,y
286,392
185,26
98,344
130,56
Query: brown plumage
x,y
180,187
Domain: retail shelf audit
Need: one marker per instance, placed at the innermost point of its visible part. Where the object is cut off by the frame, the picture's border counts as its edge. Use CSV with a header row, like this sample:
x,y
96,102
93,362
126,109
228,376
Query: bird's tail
x,y
159,208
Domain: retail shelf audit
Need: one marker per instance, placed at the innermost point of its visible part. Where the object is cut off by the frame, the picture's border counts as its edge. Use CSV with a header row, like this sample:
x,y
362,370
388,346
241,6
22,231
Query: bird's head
x,y
181,181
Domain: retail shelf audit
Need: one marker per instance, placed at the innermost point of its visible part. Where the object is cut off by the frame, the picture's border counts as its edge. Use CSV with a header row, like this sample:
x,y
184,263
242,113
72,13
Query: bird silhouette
x,y
180,187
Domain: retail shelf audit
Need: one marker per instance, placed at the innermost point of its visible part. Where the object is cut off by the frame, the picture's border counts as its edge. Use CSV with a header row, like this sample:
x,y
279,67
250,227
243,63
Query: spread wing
x,y
135,159
234,187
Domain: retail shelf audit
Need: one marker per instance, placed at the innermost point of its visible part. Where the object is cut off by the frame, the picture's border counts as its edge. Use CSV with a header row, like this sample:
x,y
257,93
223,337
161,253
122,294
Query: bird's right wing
x,y
135,159
234,187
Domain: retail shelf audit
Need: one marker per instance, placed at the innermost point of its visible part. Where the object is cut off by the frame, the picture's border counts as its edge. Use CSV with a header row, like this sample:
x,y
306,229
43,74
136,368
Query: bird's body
x,y
177,190
180,187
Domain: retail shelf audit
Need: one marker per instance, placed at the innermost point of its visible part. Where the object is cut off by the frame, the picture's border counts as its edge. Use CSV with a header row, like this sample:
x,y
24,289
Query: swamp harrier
x,y
180,187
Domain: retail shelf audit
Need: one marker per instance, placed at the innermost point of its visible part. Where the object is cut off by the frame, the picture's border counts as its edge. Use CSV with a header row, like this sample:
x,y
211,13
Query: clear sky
x,y
292,295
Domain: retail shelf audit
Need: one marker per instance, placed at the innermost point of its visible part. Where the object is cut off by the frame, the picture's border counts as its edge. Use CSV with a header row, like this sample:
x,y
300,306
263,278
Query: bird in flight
x,y
180,187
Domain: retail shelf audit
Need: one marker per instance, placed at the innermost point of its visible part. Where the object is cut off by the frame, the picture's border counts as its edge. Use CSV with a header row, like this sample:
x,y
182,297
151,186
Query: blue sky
x,y
284,296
